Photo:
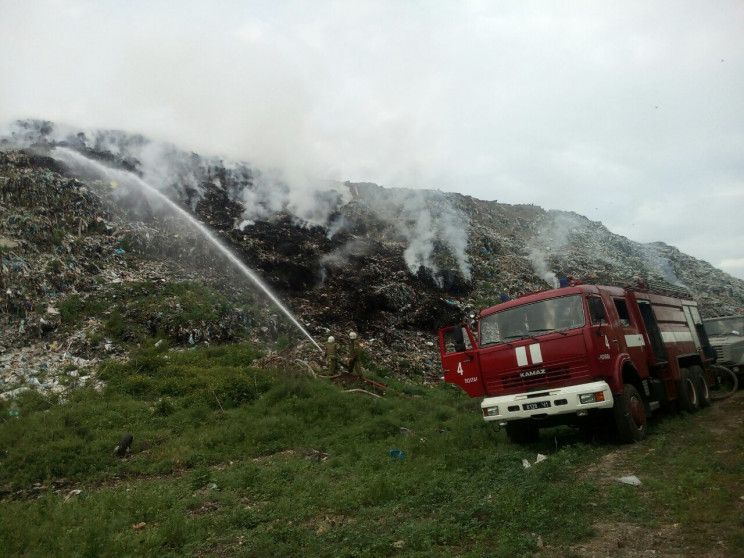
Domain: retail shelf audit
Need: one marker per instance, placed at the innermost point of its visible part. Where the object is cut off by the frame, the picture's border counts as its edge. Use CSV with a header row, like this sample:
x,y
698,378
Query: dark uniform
x,y
355,353
331,353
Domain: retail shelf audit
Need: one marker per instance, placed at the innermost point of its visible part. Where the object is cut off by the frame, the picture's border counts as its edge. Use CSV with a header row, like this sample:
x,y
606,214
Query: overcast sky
x,y
628,112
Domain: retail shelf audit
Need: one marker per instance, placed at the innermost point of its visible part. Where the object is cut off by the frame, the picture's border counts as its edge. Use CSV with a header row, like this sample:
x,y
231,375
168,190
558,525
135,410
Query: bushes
x,y
135,311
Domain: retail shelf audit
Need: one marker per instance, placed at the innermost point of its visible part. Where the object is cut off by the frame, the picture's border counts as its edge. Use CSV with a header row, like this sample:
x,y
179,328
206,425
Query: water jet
x,y
75,159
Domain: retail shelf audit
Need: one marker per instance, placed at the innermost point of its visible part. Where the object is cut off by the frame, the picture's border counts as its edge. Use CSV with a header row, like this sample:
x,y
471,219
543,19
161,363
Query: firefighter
x,y
355,353
331,353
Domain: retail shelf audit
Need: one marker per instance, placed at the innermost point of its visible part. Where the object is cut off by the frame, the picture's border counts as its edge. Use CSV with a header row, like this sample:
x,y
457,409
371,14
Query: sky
x,y
630,113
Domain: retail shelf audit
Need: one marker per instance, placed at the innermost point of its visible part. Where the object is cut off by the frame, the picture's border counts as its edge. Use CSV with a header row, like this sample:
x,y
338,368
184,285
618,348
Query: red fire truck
x,y
580,355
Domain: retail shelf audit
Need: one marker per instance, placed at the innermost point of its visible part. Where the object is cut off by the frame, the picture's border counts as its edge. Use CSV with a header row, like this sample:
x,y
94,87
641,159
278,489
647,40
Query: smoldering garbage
x,y
65,239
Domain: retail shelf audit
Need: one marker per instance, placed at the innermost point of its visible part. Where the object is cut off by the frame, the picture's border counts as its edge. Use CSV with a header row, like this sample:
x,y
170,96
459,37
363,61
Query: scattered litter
x,y
631,480
397,454
540,457
538,540
139,526
124,446
72,493
78,249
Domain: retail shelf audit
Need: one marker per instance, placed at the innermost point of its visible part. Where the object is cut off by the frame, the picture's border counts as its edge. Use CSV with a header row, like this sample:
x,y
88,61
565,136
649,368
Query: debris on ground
x,y
71,244
631,480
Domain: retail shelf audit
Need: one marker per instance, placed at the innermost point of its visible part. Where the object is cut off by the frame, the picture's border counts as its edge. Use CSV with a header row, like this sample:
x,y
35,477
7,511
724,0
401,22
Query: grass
x,y
232,460
136,311
695,480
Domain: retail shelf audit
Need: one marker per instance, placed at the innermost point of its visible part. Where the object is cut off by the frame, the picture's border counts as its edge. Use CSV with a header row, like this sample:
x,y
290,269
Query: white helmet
x,y
352,335
331,339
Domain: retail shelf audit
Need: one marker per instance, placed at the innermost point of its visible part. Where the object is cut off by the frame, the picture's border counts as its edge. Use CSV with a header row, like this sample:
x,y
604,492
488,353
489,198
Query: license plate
x,y
535,406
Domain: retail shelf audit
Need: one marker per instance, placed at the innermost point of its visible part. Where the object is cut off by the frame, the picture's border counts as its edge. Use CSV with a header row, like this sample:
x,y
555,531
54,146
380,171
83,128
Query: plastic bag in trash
x,y
632,480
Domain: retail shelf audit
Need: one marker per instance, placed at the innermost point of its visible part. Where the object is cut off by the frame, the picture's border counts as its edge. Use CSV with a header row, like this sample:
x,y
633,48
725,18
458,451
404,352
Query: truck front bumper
x,y
549,402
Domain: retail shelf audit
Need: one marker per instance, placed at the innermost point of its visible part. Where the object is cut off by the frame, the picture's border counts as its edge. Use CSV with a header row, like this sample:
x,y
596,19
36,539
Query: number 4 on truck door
x,y
460,359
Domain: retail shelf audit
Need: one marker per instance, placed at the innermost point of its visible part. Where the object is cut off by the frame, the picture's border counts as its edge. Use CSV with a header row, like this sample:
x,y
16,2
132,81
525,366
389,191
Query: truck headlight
x,y
490,411
595,397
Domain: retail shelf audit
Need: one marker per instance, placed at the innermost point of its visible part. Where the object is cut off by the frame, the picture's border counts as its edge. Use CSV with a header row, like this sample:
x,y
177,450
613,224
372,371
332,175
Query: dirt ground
x,y
667,540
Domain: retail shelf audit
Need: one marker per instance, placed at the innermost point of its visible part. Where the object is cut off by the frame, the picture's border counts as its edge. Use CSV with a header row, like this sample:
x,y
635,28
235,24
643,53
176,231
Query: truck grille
x,y
520,380
722,353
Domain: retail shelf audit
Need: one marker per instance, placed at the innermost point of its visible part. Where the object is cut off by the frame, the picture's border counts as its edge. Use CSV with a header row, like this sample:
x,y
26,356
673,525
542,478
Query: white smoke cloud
x,y
420,238
660,264
454,231
423,220
539,262
338,223
551,237
341,256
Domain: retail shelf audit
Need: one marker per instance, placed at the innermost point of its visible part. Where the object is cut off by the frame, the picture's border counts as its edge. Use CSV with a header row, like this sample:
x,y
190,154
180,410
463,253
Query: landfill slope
x,y
392,264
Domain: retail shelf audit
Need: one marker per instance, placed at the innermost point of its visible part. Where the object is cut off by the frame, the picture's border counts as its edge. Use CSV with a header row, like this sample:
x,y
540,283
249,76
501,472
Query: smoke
x,y
132,181
425,221
539,262
455,236
553,235
420,236
433,231
338,223
660,264
339,258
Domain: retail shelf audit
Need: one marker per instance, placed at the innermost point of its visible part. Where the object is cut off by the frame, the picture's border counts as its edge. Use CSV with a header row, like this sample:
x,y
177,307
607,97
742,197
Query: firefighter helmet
x,y
353,335
331,339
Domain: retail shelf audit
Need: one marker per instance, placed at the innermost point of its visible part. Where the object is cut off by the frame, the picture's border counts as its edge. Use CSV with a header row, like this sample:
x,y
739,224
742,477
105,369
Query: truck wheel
x,y
687,391
522,432
630,415
702,384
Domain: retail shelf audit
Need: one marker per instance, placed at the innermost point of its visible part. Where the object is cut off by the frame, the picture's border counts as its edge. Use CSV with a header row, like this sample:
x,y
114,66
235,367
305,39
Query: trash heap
x,y
391,264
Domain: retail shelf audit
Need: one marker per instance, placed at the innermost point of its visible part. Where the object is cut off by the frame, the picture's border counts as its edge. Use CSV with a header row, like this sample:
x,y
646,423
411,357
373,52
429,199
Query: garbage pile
x,y
390,264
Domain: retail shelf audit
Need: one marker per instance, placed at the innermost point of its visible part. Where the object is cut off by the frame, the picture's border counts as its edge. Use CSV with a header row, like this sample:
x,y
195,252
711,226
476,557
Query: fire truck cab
x,y
580,354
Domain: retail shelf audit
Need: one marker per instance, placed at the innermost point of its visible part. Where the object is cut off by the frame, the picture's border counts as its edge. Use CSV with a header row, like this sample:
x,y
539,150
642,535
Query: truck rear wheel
x,y
703,389
630,415
687,391
522,432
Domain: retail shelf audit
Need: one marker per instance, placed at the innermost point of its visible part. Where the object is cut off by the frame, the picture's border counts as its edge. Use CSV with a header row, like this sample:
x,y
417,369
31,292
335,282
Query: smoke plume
x,y
433,231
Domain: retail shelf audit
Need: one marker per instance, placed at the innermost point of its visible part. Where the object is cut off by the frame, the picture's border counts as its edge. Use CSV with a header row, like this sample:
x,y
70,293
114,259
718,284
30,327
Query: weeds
x,y
230,460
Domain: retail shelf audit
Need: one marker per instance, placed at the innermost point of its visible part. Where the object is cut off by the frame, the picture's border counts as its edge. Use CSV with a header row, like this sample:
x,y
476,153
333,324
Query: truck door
x,y
604,344
460,359
632,338
652,329
693,321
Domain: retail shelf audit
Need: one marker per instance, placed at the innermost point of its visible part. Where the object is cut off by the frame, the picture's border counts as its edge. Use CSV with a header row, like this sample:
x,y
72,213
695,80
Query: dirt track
x,y
668,540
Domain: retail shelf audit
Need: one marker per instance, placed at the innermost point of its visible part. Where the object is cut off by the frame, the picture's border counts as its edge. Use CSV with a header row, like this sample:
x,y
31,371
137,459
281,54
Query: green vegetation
x,y
135,311
233,460
58,236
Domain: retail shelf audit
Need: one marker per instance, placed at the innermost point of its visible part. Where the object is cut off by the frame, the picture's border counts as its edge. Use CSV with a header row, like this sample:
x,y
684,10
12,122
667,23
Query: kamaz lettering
x,y
530,373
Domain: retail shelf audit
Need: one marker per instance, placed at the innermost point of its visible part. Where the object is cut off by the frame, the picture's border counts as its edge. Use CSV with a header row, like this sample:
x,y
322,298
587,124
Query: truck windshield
x,y
532,320
722,327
